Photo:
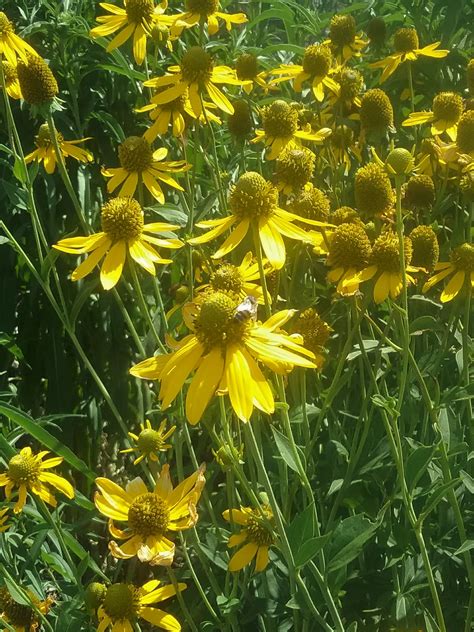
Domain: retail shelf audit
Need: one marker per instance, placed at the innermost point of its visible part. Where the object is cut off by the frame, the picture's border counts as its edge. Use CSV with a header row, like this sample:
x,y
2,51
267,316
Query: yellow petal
x,y
113,264
272,243
243,557
453,287
58,482
204,385
238,378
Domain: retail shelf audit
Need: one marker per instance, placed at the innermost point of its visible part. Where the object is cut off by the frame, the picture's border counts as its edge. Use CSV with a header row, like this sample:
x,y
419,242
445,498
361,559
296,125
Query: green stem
x,y
143,306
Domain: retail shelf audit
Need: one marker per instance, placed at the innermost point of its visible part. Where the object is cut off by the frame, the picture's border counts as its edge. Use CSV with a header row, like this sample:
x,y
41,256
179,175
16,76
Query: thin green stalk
x,y
143,306
187,615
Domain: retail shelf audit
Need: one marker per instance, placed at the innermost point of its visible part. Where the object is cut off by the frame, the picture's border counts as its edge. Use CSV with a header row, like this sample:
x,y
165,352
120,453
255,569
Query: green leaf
x,y
301,529
465,546
45,438
284,448
436,497
348,540
417,463
310,549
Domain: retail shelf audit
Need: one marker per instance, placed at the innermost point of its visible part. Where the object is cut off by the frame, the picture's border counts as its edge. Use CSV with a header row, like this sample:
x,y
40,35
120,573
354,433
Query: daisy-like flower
x,y
137,18
205,12
177,113
149,516
225,351
22,617
343,37
447,110
315,332
4,519
348,253
196,74
385,267
461,267
247,71
11,45
256,536
294,169
12,84
349,82
138,162
238,280
149,441
280,129
27,473
124,603
407,48
45,153
122,232
254,204
315,68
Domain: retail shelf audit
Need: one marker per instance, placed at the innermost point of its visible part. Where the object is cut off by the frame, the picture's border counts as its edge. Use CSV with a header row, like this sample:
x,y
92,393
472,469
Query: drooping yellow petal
x,y
113,264
453,287
161,619
382,287
272,243
204,384
243,556
58,482
238,378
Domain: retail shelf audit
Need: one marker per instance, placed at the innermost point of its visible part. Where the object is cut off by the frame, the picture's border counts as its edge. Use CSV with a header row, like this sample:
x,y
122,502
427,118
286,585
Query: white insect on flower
x,y
247,310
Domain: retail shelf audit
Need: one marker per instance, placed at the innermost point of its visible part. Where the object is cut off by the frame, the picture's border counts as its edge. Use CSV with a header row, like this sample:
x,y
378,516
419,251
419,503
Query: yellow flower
x,y
45,153
22,617
150,441
150,516
254,203
316,67
247,71
140,163
205,12
280,129
224,351
294,169
407,48
385,265
124,603
343,37
447,110
348,253
122,231
196,74
461,266
11,80
177,112
26,472
3,519
137,18
12,46
238,280
256,536
315,332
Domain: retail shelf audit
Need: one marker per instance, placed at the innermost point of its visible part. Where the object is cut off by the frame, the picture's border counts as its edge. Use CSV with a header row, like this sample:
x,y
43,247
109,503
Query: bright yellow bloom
x,y
461,266
316,67
343,38
280,129
122,232
150,441
385,266
348,253
45,153
196,74
26,472
137,18
3,519
447,110
205,12
178,112
247,71
12,46
407,49
139,163
124,603
254,205
238,280
150,516
224,351
22,617
11,80
256,536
